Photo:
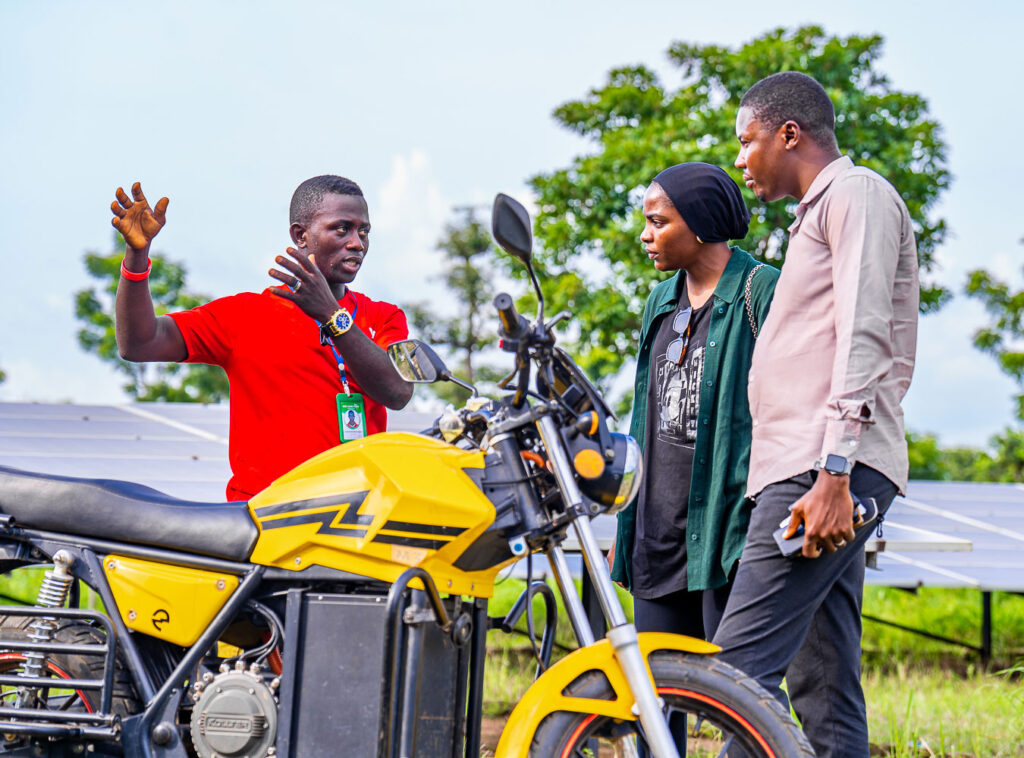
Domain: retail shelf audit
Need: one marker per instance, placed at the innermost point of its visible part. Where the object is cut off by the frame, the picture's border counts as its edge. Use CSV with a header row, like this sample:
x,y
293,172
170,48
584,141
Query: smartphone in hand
x,y
864,512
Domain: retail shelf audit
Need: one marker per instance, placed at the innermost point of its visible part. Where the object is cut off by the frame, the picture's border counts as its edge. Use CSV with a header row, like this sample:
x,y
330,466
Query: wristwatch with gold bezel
x,y
339,323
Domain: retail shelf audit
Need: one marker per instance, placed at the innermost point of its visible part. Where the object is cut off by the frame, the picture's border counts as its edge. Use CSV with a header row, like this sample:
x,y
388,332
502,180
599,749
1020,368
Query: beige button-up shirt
x,y
836,352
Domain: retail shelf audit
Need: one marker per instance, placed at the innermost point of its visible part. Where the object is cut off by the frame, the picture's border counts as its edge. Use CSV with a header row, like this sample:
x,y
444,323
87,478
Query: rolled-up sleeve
x,y
862,226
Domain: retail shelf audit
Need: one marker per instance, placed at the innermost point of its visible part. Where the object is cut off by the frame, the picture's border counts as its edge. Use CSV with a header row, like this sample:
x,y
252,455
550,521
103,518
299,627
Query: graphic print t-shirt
x,y
673,394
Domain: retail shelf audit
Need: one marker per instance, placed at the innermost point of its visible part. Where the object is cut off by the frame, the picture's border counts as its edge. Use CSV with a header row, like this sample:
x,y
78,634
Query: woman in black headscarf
x,y
679,542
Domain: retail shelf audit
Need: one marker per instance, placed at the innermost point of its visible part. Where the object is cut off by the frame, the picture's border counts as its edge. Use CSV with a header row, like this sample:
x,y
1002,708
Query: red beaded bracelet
x,y
135,277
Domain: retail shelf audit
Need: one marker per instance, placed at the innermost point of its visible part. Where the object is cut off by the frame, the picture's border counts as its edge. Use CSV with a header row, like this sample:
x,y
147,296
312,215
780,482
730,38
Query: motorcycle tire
x,y
68,666
720,702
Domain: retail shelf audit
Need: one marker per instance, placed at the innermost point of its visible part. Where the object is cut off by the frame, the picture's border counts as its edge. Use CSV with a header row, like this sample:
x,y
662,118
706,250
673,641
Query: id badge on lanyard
x,y
351,416
351,409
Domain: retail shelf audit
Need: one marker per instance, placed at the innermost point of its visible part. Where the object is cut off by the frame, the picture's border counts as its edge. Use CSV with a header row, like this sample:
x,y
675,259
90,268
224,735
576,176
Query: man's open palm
x,y
135,220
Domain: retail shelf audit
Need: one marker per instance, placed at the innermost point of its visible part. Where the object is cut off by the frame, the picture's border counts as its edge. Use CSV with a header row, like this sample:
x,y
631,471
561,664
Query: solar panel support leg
x,y
986,627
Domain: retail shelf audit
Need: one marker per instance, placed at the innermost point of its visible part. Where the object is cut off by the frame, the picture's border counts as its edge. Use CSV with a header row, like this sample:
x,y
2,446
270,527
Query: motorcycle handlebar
x,y
513,326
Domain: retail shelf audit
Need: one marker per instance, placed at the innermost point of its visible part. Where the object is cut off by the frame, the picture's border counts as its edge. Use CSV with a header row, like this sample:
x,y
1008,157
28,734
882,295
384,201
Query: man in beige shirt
x,y
831,366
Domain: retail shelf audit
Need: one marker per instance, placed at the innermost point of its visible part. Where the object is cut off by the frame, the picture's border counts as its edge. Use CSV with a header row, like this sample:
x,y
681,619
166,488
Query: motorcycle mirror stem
x,y
448,376
540,295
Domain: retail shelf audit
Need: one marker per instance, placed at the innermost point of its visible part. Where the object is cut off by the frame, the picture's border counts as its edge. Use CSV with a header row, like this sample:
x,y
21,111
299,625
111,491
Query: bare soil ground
x,y
490,733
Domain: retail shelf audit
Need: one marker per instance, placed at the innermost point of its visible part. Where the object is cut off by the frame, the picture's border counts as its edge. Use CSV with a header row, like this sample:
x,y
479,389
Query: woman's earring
x,y
699,239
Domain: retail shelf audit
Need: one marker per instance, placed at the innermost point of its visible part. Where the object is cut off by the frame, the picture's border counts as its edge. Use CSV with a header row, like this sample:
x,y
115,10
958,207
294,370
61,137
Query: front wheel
x,y
717,709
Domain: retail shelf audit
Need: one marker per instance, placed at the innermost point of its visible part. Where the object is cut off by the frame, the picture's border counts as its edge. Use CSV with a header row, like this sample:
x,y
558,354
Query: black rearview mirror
x,y
416,362
510,225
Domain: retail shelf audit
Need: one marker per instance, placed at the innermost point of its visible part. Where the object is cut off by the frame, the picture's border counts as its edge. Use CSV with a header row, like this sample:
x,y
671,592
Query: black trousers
x,y
695,614
799,618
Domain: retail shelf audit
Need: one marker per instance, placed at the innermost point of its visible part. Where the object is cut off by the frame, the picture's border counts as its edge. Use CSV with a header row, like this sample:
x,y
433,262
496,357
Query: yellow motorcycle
x,y
343,610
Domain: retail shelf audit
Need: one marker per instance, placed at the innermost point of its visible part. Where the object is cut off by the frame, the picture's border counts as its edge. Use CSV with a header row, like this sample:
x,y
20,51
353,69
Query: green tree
x,y
1006,461
1003,337
94,307
467,248
589,223
927,459
1003,461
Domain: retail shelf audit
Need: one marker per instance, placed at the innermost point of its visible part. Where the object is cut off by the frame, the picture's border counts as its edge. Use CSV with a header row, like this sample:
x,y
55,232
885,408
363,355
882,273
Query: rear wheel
x,y
716,707
66,666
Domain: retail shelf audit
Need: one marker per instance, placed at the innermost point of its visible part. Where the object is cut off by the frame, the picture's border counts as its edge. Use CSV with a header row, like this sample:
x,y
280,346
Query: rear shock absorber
x,y
53,593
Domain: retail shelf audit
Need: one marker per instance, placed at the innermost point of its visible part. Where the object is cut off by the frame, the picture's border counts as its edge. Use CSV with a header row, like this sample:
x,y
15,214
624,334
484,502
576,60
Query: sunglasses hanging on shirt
x,y
676,350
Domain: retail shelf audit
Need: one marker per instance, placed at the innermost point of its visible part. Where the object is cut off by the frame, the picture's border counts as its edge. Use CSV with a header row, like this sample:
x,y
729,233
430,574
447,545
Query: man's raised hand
x,y
307,287
135,220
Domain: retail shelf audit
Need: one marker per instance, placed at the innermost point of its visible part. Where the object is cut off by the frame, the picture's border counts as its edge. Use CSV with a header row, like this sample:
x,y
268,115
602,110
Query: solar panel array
x,y
177,448
990,516
943,534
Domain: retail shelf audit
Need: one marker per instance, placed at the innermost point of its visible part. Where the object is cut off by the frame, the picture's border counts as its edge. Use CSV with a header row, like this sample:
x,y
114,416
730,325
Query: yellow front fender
x,y
546,695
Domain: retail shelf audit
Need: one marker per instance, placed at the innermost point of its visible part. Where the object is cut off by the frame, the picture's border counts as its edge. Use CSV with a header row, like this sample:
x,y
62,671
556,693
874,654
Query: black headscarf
x,y
708,200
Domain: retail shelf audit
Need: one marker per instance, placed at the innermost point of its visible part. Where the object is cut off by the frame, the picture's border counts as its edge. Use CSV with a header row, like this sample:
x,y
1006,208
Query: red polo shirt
x,y
283,381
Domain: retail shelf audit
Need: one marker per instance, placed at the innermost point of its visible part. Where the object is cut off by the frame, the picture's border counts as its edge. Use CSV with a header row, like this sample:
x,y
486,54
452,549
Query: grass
x,y
20,587
950,714
947,612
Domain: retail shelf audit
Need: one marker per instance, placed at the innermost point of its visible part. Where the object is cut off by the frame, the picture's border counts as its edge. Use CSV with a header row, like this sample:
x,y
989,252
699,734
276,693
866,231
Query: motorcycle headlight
x,y
618,483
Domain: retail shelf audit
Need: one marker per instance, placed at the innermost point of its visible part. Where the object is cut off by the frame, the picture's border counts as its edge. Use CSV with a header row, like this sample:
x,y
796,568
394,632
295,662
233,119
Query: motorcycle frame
x,y
142,734
31,547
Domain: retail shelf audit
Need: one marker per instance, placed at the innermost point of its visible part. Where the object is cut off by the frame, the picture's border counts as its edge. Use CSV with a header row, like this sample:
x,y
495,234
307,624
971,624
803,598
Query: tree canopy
x,y
1003,337
589,224
94,307
468,276
1002,461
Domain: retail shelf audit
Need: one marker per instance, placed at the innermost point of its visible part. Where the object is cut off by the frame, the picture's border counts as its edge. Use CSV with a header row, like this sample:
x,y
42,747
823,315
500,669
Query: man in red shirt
x,y
302,378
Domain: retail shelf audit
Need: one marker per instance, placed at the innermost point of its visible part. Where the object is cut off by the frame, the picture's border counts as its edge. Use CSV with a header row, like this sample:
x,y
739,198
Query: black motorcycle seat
x,y
127,512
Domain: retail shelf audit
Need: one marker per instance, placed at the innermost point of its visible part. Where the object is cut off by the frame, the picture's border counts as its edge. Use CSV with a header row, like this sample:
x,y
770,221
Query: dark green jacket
x,y
718,512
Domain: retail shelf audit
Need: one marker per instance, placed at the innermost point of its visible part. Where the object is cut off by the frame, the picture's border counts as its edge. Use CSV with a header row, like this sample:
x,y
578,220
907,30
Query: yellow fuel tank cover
x,y
173,603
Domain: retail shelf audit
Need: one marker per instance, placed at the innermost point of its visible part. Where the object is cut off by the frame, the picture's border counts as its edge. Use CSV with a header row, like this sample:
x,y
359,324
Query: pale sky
x,y
226,106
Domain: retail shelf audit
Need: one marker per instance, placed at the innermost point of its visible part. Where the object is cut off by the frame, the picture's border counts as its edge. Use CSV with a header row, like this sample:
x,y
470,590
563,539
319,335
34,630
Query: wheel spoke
x,y
625,747
711,736
725,747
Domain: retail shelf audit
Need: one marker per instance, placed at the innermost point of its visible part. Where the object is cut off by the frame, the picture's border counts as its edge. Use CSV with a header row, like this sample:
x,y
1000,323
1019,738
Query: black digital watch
x,y
836,465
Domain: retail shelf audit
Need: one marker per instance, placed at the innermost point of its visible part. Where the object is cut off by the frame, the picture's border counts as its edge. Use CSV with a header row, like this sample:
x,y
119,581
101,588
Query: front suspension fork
x,y
621,634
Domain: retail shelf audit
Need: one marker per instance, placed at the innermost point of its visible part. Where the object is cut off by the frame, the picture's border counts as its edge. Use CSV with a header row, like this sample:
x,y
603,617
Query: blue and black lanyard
x,y
337,356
